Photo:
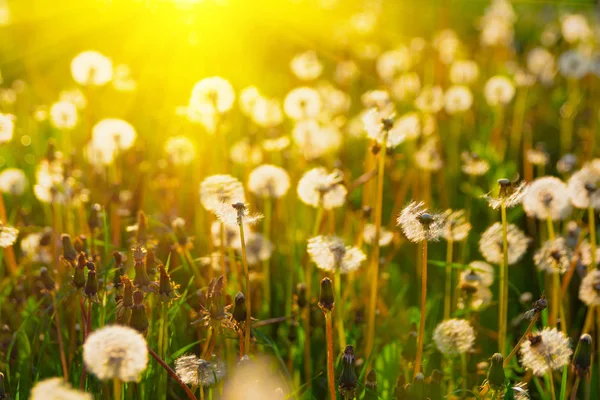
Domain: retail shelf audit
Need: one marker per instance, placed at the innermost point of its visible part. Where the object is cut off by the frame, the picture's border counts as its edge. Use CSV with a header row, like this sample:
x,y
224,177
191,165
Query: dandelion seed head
x,y
115,352
589,290
258,248
330,254
537,156
464,72
484,272
63,115
57,389
456,227
180,149
418,225
428,158
458,99
583,186
318,188
91,68
269,181
491,244
7,127
547,197
499,90
575,28
479,297
406,86
391,63
302,103
13,181
546,351
473,165
511,194
218,189
113,133
553,257
233,215
195,371
315,139
454,336
267,112
244,152
306,66
573,64
212,95
385,236
541,63
430,100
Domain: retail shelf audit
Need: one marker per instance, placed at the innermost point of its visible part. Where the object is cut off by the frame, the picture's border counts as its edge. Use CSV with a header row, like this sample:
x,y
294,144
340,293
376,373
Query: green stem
x,y
266,263
330,372
503,314
448,290
592,229
116,389
421,337
463,368
552,391
338,310
374,267
248,292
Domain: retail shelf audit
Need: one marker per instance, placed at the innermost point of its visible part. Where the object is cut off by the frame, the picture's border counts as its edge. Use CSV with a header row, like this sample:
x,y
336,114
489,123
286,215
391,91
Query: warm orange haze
x,y
299,199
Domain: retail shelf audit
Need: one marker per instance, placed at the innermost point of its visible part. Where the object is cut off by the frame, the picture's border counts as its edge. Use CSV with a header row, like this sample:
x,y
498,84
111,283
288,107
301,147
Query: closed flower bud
x,y
46,279
434,389
400,390
582,360
495,376
80,244
3,395
348,379
95,219
119,269
326,298
165,287
301,298
416,390
150,263
91,286
79,274
141,278
69,252
239,308
142,228
139,319
371,386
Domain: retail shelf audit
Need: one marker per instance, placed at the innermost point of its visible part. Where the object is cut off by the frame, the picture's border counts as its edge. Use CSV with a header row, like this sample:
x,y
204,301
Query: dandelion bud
x,y
91,287
400,390
69,252
165,287
94,219
434,391
139,319
582,360
348,378
150,263
127,291
367,211
410,350
119,270
46,279
301,295
80,244
3,394
371,386
141,277
142,228
416,390
495,376
239,308
79,275
326,298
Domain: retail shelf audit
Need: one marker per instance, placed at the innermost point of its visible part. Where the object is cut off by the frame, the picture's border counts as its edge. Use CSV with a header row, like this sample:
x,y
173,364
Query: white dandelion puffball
x,y
63,115
218,189
269,181
113,133
499,90
7,127
115,352
319,188
57,389
330,254
546,351
91,68
13,181
212,95
454,336
547,197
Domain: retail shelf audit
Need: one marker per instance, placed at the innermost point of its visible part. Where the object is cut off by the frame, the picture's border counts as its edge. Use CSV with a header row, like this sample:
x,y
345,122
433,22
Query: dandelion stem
x,y
448,290
338,311
552,391
248,292
267,263
116,389
330,373
592,229
421,336
574,389
374,268
503,314
463,367
163,364
61,347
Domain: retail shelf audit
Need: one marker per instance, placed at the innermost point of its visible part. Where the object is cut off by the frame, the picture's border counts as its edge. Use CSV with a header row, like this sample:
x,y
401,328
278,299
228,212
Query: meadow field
x,y
299,199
